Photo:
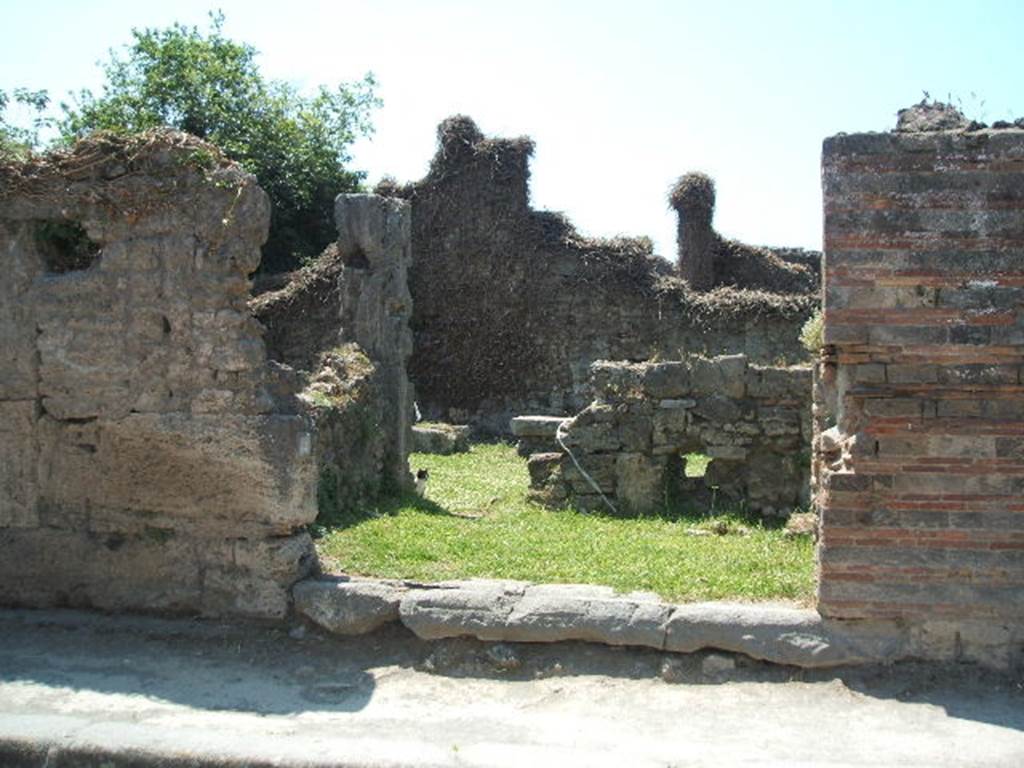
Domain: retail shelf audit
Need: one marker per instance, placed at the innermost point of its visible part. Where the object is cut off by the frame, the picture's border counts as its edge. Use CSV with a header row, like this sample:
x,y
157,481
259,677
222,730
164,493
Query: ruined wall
x,y
151,458
922,514
753,421
706,260
512,305
343,324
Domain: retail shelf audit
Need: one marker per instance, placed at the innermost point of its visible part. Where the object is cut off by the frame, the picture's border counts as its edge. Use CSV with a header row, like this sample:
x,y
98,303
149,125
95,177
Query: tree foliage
x,y
210,86
16,141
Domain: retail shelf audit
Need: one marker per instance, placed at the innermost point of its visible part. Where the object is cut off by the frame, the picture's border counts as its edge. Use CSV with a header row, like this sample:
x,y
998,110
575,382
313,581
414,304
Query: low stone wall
x,y
923,464
753,421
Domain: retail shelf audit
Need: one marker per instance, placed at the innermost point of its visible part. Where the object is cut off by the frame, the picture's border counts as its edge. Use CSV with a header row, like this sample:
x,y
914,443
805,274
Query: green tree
x,y
211,87
17,142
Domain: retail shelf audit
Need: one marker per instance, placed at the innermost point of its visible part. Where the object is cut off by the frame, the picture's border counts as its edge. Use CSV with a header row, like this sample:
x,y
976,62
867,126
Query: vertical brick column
x,y
922,494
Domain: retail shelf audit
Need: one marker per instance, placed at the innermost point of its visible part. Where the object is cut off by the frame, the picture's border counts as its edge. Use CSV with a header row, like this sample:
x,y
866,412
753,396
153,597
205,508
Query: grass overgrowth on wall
x,y
476,522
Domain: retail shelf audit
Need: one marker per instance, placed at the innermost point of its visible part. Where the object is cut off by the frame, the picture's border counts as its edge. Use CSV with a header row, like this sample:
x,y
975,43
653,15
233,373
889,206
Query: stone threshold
x,y
522,612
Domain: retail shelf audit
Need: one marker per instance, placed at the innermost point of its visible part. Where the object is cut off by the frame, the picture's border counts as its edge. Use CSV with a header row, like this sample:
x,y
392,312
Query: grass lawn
x,y
476,522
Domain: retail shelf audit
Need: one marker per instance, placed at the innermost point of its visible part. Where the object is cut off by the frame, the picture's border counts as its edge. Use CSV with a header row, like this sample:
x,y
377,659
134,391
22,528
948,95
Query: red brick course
x,y
923,507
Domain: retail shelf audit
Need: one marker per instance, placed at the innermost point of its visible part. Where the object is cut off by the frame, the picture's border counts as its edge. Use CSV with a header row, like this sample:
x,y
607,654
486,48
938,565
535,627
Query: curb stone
x,y
516,611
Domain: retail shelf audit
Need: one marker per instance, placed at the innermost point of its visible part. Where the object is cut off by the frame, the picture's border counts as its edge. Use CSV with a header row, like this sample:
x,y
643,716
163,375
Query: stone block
x,y
443,439
19,456
285,559
777,421
593,438
519,612
904,335
635,430
969,375
869,373
639,481
613,380
724,375
912,374
595,413
455,609
666,380
959,446
845,334
677,404
727,452
541,466
544,427
600,468
777,383
556,612
229,591
973,335
988,643
74,568
781,634
345,606
670,427
719,409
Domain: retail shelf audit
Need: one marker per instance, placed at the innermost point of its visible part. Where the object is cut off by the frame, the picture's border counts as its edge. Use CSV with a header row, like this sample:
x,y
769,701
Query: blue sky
x,y
620,97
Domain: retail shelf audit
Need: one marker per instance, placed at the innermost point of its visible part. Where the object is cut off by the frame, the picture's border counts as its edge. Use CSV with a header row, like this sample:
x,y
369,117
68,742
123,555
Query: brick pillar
x,y
693,199
923,495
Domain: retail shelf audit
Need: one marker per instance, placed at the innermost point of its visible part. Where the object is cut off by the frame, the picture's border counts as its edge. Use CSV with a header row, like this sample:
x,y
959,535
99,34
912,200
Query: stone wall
x,y
513,305
153,458
344,321
923,469
753,421
706,260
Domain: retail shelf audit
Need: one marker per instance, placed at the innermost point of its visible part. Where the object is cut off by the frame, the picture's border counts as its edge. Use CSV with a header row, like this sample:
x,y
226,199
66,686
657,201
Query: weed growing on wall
x,y
812,334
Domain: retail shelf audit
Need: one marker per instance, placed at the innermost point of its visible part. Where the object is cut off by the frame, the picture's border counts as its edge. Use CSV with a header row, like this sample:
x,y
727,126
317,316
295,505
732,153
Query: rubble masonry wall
x,y
152,458
753,421
512,305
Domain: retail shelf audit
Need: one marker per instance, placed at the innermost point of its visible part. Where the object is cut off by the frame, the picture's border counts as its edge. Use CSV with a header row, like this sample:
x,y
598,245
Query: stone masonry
x,y
753,421
374,235
152,457
922,496
342,325
512,304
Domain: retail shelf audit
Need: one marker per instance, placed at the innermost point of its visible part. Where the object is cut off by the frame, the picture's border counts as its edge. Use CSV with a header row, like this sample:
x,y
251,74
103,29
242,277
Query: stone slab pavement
x,y
87,690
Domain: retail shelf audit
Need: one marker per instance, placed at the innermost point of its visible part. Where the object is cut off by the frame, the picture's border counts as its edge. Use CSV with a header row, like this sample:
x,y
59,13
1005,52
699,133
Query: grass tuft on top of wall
x,y
476,522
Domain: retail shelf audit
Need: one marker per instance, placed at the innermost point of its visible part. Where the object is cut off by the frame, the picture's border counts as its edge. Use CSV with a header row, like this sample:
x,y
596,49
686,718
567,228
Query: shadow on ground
x,y
268,670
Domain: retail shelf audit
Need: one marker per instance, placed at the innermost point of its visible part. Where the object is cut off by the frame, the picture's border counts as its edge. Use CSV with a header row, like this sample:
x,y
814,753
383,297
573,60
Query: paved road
x,y
84,690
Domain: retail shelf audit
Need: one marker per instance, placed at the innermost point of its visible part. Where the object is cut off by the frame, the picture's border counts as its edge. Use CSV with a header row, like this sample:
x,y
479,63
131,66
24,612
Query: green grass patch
x,y
696,464
476,522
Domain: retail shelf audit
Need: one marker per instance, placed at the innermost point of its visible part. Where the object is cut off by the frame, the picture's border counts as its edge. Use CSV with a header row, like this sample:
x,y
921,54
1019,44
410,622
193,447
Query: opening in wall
x,y
65,246
695,464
